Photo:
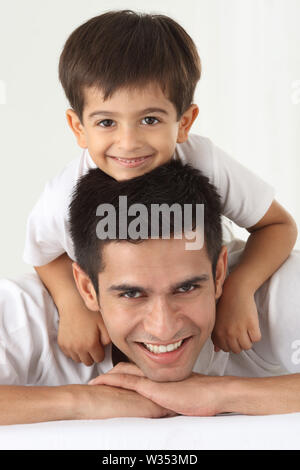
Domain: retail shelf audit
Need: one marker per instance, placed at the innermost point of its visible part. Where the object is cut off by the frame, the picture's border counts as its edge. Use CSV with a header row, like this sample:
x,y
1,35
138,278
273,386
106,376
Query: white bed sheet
x,y
180,432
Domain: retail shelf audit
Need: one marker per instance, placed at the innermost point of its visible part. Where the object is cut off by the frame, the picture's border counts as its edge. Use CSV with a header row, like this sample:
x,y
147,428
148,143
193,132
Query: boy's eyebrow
x,y
126,286
143,111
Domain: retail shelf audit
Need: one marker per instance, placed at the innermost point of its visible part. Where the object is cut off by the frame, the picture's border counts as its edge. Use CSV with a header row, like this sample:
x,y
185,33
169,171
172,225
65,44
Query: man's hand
x,y
103,402
198,395
82,334
237,326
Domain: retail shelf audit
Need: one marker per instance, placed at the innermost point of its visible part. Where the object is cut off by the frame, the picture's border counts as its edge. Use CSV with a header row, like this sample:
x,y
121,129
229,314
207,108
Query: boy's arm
x,y
268,246
81,333
27,404
270,242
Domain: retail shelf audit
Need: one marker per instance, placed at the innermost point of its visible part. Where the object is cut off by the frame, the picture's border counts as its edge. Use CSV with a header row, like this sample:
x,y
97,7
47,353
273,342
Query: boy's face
x,y
157,293
132,132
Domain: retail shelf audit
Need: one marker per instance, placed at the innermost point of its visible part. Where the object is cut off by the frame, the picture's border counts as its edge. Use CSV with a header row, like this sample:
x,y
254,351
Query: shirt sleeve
x,y
47,231
280,302
245,197
43,232
19,363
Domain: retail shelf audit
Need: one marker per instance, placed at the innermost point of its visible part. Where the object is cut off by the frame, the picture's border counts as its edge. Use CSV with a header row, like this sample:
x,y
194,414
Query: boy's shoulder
x,y
197,151
195,143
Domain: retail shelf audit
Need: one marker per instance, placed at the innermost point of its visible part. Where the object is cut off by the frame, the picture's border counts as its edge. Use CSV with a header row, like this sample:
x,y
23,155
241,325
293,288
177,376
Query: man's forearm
x,y
21,405
262,396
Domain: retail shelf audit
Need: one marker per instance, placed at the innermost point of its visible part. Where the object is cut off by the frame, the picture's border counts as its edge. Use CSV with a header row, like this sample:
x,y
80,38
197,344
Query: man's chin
x,y
165,374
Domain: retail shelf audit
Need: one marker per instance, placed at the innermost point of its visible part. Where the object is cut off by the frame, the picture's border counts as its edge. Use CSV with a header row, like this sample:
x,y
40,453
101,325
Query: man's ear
x,y
221,270
85,288
76,127
186,123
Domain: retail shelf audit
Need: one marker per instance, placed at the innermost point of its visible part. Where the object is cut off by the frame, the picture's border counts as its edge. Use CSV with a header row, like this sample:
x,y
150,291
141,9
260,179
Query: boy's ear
x,y
186,122
76,127
85,288
221,270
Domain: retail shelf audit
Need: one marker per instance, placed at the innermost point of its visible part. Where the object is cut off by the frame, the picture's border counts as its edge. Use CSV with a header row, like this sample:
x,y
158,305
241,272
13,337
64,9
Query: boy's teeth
x,y
163,349
126,160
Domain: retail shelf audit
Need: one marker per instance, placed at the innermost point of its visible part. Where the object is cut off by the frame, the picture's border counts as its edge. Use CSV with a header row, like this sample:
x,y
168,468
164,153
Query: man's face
x,y
158,303
130,133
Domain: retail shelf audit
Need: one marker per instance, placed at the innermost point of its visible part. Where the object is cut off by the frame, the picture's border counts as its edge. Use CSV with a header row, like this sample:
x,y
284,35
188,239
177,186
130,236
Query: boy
x,y
130,79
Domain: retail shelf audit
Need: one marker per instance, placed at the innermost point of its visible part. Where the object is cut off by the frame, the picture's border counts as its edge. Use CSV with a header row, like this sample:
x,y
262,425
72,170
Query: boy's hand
x,y
82,334
237,325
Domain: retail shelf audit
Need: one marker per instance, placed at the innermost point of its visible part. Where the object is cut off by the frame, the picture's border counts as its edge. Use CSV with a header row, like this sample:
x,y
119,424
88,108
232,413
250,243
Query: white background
x,y
249,94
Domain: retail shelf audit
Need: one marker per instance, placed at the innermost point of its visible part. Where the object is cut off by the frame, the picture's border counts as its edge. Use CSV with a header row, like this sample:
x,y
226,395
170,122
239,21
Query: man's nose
x,y
163,321
129,141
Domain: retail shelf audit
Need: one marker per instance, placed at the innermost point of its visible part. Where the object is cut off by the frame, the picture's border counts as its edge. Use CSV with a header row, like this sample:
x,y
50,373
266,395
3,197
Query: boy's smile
x,y
132,132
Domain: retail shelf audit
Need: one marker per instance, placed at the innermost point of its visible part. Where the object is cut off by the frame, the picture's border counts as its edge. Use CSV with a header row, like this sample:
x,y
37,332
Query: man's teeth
x,y
163,349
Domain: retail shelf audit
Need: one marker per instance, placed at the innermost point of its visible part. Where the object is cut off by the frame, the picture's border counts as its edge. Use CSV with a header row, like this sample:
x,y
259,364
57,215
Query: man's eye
x,y
187,288
131,294
105,123
150,120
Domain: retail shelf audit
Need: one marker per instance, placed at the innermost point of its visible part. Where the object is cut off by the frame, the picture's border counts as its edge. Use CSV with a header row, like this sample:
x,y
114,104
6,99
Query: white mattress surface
x,y
180,432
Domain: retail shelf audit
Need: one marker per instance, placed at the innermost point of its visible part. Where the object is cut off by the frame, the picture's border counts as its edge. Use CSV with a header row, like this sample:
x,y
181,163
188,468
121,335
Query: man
x,y
157,299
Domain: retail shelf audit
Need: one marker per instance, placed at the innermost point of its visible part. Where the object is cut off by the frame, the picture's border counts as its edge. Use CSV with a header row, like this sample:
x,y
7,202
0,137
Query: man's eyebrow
x,y
191,280
143,111
126,287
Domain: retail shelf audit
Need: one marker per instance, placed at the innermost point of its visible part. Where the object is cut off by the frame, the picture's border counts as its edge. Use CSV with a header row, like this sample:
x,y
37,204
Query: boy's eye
x,y
187,288
150,120
131,294
105,123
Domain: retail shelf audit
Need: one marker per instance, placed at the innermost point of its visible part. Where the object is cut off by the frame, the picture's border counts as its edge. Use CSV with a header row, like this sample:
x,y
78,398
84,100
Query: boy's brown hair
x,y
123,49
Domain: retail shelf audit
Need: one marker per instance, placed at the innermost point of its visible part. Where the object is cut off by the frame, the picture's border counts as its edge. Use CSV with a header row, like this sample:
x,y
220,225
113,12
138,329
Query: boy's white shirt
x,y
245,197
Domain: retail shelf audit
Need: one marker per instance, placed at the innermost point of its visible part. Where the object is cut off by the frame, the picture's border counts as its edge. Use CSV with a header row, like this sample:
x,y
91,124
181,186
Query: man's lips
x,y
130,162
168,356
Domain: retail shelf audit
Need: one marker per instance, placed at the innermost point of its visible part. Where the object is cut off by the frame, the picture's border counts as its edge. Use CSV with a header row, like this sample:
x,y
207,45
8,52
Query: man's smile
x,y
165,354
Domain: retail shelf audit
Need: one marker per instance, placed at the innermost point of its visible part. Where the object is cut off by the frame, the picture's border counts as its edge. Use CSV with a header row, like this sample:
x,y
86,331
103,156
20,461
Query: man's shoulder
x,y
23,300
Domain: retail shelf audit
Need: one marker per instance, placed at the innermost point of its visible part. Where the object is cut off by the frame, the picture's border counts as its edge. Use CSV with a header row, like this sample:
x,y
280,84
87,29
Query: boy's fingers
x,y
234,346
104,336
74,357
254,335
245,342
97,353
86,359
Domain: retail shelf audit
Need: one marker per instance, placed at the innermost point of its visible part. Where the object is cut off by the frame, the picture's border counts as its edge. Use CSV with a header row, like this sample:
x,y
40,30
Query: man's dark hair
x,y
169,184
123,49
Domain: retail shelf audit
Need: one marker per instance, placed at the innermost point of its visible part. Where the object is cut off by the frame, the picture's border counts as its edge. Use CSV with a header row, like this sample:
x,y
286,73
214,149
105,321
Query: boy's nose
x,y
129,141
162,322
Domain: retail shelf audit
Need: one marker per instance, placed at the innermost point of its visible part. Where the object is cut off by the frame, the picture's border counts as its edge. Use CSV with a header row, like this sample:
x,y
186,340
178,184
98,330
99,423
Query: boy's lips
x,y
130,162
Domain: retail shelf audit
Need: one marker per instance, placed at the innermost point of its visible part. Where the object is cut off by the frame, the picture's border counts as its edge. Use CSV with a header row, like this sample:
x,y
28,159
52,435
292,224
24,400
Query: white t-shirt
x,y
245,197
29,354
